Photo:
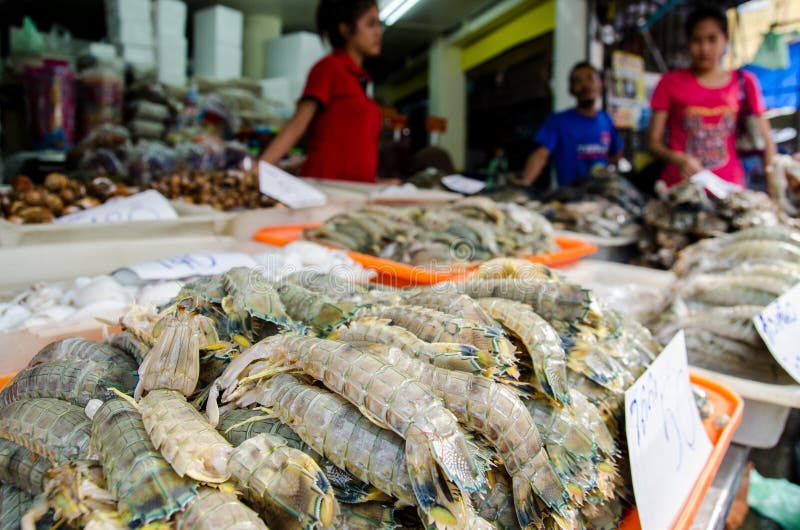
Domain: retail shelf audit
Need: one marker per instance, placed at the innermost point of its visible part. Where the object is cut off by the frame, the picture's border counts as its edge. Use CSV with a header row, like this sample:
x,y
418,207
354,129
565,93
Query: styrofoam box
x,y
220,62
219,25
169,17
193,220
128,9
138,55
101,50
132,32
278,90
171,59
292,56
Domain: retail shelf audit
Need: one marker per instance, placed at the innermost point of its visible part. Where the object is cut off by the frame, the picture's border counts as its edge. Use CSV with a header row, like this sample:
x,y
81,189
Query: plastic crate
x,y
727,402
403,275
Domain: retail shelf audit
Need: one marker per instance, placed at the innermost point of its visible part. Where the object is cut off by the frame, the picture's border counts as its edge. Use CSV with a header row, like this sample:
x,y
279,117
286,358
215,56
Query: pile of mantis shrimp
x,y
318,402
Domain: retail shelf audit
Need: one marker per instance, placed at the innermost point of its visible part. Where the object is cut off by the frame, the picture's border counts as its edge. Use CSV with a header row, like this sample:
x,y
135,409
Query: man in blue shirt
x,y
578,139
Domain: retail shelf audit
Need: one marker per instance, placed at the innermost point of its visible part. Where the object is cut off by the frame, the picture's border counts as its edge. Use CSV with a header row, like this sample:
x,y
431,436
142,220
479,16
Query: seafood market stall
x,y
532,322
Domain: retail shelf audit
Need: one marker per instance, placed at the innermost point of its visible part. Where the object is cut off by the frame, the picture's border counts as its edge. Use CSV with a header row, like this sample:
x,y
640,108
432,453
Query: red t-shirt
x,y
702,121
342,140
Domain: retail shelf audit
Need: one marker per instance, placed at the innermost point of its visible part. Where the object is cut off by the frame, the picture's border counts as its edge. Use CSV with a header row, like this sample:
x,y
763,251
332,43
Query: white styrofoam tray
x,y
26,265
192,221
636,291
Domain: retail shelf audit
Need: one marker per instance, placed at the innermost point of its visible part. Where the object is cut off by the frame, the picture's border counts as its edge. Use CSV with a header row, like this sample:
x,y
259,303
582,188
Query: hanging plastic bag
x,y
28,40
777,499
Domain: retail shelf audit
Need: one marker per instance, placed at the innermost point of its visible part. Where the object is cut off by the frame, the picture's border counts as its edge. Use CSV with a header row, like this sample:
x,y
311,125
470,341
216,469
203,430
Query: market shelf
x,y
403,275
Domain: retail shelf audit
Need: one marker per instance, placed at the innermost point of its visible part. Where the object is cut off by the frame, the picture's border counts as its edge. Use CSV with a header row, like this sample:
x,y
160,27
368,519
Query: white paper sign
x,y
714,185
146,206
287,189
188,265
462,184
779,327
667,443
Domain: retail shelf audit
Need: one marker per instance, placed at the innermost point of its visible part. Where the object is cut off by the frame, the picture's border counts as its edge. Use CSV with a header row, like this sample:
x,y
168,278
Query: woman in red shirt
x,y
341,121
700,106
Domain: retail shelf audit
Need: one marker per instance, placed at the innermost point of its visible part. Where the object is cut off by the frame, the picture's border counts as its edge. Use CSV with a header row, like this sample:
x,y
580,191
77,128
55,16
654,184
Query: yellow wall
x,y
530,23
395,92
533,23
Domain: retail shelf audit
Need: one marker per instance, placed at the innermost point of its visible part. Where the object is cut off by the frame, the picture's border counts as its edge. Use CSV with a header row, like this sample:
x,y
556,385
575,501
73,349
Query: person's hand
x,y
688,166
517,180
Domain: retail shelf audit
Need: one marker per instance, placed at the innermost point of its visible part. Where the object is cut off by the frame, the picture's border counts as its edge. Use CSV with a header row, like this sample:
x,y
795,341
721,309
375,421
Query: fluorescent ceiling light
x,y
395,10
389,7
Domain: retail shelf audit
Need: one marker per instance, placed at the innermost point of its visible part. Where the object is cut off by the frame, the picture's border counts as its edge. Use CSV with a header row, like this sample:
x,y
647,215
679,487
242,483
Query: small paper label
x,y
287,189
188,265
714,185
146,206
462,184
779,327
667,443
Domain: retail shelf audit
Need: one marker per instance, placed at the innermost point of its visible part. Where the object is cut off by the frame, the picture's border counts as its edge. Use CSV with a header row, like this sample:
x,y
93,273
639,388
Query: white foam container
x,y
642,288
27,265
192,220
169,18
218,25
220,62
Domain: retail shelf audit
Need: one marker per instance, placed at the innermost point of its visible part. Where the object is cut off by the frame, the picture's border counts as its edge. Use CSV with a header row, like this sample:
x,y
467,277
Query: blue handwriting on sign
x,y
779,316
191,261
653,408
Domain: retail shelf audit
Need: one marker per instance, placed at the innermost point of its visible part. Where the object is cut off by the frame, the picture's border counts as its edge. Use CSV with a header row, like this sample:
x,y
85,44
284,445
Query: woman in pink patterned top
x,y
699,107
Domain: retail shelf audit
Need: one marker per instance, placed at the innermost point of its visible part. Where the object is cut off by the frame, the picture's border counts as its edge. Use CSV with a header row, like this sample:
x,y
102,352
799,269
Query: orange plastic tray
x,y
5,379
725,401
403,275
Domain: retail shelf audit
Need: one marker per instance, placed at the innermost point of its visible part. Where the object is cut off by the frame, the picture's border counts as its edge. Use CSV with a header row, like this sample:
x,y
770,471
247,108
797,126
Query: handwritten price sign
x,y
287,189
463,185
779,327
146,206
666,440
188,265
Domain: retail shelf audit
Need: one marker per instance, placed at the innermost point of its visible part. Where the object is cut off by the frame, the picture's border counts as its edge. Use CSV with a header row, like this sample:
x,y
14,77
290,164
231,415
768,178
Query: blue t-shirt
x,y
577,143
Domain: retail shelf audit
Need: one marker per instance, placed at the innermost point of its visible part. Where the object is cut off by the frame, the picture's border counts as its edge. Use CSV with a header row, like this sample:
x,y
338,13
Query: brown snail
x,y
56,182
36,214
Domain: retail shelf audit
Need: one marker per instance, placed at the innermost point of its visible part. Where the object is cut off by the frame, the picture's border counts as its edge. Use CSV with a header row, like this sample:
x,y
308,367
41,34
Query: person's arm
x,y
755,100
294,130
616,150
770,149
535,165
686,164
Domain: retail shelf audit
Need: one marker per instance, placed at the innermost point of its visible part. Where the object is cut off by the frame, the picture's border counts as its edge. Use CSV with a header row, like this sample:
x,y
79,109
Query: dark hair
x,y
706,13
332,13
580,66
